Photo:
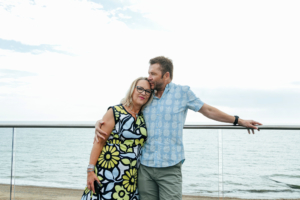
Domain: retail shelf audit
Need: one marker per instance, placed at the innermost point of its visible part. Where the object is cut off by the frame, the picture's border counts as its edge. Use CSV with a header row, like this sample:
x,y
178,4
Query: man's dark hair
x,y
166,65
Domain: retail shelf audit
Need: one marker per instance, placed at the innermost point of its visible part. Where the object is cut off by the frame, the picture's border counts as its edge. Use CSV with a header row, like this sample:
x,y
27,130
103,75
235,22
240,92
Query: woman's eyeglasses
x,y
141,90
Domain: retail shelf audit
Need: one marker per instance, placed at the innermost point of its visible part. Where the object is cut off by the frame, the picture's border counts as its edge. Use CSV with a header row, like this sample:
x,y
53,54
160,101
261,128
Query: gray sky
x,y
70,60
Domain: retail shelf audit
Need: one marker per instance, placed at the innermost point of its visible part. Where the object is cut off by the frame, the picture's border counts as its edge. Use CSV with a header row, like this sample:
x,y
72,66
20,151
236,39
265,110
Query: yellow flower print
x,y
117,115
129,142
142,119
138,121
100,178
130,180
126,149
119,109
114,135
143,131
114,141
121,193
125,161
109,157
86,190
139,141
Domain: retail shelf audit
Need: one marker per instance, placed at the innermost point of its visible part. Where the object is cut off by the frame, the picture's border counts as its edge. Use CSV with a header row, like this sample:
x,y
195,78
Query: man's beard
x,y
158,86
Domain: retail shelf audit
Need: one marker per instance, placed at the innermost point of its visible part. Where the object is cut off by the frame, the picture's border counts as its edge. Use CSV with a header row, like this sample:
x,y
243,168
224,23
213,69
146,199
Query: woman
x,y
115,160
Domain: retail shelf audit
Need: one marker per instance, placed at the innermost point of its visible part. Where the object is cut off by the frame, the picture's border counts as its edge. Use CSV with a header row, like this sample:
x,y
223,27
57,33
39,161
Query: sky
x,y
70,60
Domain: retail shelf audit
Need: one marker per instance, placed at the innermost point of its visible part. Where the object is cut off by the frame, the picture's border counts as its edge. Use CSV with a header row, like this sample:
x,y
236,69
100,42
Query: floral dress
x,y
119,160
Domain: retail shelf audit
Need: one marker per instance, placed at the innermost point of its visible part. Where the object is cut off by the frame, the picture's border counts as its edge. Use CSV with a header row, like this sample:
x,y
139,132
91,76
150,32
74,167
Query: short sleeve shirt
x,y
165,118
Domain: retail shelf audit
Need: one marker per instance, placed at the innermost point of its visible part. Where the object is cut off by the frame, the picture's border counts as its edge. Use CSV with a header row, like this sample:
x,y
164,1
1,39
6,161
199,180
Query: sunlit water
x,y
264,165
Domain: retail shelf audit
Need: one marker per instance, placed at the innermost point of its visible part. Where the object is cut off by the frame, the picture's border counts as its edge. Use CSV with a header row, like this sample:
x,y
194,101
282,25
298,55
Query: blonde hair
x,y
127,100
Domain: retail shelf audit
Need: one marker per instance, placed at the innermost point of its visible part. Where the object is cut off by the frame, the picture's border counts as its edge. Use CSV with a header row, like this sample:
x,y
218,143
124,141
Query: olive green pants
x,y
163,183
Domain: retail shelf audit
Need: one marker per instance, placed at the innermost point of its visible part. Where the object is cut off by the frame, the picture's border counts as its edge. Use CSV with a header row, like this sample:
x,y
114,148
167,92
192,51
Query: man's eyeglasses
x,y
141,90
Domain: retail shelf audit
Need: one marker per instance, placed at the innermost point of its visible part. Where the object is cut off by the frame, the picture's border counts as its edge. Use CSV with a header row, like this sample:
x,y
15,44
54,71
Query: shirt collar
x,y
167,89
168,86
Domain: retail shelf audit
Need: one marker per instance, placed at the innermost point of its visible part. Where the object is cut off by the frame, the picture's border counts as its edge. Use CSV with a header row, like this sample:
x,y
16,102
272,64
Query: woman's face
x,y
141,93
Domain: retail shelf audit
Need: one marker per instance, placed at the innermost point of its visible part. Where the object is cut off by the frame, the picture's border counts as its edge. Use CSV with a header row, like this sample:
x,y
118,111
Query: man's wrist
x,y
240,122
236,118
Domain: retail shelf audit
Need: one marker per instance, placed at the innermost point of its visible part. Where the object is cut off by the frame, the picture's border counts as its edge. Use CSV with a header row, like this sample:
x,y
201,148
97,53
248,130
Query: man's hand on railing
x,y
251,124
98,131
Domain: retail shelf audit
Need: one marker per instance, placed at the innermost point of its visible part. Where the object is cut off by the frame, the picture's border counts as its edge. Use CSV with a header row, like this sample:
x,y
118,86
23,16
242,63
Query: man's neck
x,y
160,92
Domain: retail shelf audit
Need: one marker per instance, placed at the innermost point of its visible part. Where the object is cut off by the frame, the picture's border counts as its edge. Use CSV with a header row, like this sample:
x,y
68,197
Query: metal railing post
x,y
220,164
12,161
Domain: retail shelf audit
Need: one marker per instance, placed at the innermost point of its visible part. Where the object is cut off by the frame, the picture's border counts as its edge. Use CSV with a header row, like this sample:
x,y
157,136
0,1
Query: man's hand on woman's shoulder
x,y
98,131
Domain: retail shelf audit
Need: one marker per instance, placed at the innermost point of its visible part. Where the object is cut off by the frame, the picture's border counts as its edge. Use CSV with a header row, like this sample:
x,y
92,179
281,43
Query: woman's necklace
x,y
133,112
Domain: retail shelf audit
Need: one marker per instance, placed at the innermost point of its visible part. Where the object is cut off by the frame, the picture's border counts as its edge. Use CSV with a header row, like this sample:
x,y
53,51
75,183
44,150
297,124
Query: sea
x,y
225,163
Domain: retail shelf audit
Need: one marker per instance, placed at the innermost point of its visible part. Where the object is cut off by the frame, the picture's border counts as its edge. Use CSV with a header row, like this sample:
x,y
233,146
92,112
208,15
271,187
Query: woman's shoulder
x,y
119,108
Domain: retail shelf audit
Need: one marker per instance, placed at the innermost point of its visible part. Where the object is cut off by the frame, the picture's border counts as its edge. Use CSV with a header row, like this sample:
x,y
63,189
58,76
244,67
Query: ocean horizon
x,y
264,165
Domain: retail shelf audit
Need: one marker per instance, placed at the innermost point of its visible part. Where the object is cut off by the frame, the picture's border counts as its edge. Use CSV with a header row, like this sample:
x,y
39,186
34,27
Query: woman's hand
x,y
91,177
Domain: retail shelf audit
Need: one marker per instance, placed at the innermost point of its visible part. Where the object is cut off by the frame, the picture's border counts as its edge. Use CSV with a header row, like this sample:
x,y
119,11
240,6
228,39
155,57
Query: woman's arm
x,y
97,147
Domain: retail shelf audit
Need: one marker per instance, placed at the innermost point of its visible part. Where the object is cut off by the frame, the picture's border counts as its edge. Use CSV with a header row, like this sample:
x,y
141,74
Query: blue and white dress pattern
x,y
119,160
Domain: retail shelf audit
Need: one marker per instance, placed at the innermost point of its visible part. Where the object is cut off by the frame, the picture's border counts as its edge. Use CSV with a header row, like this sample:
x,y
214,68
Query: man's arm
x,y
216,114
99,133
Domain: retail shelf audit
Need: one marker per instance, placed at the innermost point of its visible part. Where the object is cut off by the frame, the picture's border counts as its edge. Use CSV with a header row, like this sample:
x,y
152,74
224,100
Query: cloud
x,y
296,83
133,18
112,4
25,48
13,79
111,43
51,22
12,84
136,20
8,73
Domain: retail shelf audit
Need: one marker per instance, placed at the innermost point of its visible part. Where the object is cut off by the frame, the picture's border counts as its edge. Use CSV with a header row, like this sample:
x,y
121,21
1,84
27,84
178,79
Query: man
x,y
159,175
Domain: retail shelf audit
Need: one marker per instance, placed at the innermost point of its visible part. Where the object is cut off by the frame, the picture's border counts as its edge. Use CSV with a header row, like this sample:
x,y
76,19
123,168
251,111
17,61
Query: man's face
x,y
155,77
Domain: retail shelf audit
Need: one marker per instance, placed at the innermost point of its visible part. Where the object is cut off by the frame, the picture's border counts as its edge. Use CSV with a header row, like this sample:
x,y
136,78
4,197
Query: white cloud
x,y
234,44
248,43
124,16
62,23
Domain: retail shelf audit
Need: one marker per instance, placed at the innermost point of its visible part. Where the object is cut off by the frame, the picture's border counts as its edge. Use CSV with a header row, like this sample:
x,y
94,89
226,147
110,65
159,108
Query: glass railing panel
x,y
265,165
5,162
50,160
200,169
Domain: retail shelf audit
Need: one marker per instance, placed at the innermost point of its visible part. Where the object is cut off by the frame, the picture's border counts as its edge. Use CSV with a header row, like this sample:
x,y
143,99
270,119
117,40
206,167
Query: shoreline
x,y
52,193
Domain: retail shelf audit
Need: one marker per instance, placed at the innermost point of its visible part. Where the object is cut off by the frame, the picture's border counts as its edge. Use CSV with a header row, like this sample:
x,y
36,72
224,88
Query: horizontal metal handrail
x,y
265,127
14,125
186,126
